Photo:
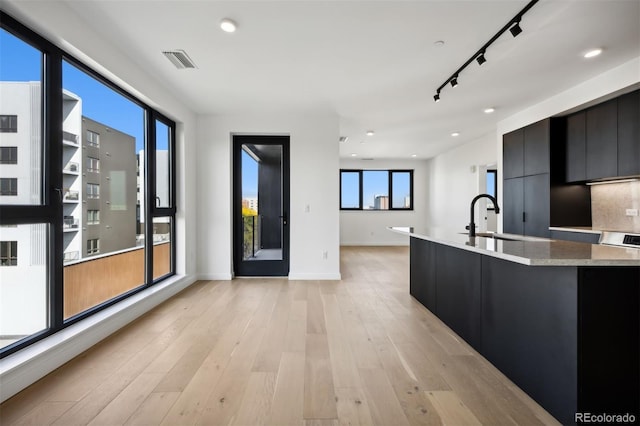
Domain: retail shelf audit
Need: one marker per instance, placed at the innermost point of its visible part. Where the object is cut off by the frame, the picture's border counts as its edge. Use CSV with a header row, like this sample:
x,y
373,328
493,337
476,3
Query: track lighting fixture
x,y
515,29
513,26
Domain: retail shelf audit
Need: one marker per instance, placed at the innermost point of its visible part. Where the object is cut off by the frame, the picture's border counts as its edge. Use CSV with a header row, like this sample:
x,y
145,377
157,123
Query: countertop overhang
x,y
530,251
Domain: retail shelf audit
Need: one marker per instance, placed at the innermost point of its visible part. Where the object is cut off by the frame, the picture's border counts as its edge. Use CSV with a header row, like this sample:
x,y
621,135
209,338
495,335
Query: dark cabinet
x,y
602,140
536,148
458,276
423,272
576,149
513,206
513,154
526,205
629,134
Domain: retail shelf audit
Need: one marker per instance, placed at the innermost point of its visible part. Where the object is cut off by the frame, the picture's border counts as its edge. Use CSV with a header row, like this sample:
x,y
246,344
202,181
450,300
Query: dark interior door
x,y
261,205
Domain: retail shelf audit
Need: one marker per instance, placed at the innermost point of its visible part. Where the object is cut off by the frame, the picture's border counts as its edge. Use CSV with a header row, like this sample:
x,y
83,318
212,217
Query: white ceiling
x,y
374,63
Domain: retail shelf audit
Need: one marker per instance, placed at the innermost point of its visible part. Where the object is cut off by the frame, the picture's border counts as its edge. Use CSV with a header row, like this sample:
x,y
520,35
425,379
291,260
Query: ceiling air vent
x,y
179,58
367,159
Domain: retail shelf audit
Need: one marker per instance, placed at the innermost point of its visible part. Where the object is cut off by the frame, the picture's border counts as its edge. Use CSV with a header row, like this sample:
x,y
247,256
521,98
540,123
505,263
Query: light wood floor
x,y
273,351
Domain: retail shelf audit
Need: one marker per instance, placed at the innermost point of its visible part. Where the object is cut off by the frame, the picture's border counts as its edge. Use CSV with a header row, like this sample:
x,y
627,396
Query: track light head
x,y
436,98
454,81
481,59
515,29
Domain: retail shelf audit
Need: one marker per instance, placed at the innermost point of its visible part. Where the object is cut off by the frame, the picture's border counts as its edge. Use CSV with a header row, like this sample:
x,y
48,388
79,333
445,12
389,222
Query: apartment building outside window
x,y
8,186
8,123
93,165
93,217
93,246
93,138
8,155
8,253
93,191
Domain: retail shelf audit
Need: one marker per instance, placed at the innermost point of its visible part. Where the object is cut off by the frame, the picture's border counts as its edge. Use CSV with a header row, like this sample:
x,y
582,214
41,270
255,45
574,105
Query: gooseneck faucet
x,y
472,225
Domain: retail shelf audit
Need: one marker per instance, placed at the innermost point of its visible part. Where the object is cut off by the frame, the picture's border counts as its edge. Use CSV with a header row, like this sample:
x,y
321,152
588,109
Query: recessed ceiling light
x,y
354,154
455,134
227,25
489,110
370,133
593,53
414,155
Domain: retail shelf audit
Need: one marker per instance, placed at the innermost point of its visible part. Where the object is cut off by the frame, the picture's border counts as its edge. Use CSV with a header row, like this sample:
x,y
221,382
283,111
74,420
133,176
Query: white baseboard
x,y
333,276
25,367
215,277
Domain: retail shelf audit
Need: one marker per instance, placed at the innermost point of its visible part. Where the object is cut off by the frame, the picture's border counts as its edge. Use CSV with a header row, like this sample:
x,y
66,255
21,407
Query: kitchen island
x,y
559,318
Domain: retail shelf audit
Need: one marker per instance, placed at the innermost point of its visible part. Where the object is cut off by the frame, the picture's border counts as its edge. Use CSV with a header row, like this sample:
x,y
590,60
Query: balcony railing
x,y
70,137
71,223
72,167
251,236
70,195
70,256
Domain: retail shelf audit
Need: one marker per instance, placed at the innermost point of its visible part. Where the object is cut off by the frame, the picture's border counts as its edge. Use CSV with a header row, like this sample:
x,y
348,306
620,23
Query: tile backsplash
x,y
609,204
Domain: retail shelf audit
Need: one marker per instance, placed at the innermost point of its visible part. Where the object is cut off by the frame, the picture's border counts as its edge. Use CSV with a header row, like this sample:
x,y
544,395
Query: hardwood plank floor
x,y
360,351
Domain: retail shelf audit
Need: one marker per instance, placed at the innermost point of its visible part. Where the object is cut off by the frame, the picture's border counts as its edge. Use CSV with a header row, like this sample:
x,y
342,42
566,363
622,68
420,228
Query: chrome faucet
x,y
472,225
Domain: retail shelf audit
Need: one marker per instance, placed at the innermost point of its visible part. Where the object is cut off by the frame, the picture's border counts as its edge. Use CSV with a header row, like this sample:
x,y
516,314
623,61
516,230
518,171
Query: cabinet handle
x,y
524,219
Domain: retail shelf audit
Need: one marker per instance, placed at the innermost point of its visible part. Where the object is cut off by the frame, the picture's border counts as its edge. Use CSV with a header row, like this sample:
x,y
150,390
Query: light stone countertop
x,y
531,251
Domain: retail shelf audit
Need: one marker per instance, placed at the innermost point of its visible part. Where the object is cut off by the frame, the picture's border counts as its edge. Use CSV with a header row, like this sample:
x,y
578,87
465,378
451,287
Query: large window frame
x,y
50,210
390,173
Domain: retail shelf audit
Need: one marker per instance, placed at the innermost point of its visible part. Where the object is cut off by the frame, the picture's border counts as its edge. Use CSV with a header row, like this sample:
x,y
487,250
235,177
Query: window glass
x,y
163,169
349,190
375,190
20,120
492,183
23,281
401,190
8,187
161,246
112,130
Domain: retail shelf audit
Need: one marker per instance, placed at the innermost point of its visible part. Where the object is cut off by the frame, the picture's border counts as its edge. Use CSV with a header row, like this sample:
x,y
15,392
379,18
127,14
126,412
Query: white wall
x,y
368,228
455,177
601,87
314,168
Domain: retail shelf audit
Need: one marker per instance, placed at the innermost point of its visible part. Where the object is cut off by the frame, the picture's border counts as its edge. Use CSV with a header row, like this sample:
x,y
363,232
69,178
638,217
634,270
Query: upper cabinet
x,y
526,150
629,134
603,141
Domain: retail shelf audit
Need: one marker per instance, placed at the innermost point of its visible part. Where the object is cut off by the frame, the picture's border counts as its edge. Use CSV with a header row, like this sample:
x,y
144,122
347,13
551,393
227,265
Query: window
x,y
93,165
350,189
376,189
492,187
93,191
93,139
93,246
93,217
8,253
8,123
9,155
83,110
401,188
8,186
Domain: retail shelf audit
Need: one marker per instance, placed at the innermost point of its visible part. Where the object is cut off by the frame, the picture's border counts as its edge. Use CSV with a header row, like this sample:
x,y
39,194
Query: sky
x,y
249,176
21,62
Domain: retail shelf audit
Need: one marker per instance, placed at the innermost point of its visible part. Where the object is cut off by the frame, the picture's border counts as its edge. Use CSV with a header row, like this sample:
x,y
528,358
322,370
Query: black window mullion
x,y
52,181
150,191
390,189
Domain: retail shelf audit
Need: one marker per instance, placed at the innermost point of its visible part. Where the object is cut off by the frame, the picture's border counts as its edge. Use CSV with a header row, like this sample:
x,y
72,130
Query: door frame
x,y
262,268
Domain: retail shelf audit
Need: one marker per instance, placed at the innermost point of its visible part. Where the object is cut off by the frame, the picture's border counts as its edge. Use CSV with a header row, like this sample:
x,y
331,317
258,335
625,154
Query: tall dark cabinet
x,y
629,134
526,189
602,137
